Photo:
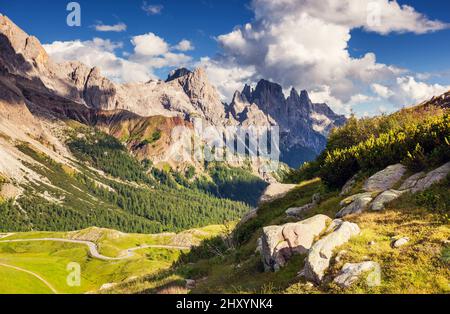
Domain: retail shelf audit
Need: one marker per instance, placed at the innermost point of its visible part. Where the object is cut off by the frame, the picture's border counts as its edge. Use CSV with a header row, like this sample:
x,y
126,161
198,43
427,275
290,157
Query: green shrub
x,y
415,142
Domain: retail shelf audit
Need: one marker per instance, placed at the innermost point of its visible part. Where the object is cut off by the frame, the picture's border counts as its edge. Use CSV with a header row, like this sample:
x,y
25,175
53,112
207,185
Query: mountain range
x,y
71,90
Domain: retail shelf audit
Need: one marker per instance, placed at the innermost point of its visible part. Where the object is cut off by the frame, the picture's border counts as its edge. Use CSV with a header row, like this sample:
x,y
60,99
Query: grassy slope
x,y
50,259
422,266
13,281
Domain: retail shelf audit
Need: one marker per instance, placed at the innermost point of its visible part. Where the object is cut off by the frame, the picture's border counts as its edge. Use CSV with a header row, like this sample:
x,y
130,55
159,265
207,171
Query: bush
x,y
415,142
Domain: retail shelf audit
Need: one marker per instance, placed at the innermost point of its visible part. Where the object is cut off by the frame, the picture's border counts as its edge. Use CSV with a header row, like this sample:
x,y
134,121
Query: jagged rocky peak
x,y
267,93
202,94
247,92
19,51
173,75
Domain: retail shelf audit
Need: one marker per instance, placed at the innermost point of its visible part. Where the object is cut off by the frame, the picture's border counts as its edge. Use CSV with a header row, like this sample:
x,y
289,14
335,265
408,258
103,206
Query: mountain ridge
x,y
185,93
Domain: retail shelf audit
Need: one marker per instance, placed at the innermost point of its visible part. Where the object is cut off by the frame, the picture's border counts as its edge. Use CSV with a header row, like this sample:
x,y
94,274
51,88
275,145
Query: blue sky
x,y
421,52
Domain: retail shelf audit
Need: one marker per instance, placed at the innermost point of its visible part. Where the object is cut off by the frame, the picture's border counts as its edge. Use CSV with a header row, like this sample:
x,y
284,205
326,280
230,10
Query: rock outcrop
x,y
380,192
385,179
321,252
351,273
348,186
185,94
279,243
297,212
421,181
303,124
381,200
355,204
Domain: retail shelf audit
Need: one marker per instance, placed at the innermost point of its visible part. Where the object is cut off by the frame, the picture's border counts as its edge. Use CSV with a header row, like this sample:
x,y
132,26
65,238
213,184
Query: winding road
x,y
93,250
32,274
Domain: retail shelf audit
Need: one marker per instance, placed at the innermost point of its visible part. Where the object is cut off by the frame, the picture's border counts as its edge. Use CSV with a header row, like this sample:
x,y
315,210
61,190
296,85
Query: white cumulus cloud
x,y
120,27
150,52
305,44
184,45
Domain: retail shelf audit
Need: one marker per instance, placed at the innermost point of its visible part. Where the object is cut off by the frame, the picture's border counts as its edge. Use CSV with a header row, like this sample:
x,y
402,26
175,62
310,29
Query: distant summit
x,y
173,75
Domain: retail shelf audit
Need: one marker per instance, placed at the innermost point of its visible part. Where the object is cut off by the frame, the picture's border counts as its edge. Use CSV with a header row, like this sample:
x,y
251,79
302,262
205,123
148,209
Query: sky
x,y
365,56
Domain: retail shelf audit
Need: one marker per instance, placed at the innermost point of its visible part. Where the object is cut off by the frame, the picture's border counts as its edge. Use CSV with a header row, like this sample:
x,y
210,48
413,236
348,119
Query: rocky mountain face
x,y
303,124
71,90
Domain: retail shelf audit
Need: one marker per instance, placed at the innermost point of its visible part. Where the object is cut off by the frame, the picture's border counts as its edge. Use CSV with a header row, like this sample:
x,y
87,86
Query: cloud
x,y
184,45
120,27
101,53
152,9
150,52
305,44
226,76
407,91
149,45
155,52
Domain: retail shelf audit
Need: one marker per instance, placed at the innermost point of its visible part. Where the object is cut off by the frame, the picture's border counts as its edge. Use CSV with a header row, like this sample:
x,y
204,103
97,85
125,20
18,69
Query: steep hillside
x,y
386,231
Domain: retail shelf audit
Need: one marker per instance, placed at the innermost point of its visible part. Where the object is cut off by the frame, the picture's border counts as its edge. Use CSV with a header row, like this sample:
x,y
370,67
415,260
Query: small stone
x,y
298,211
400,242
190,284
316,199
351,273
371,243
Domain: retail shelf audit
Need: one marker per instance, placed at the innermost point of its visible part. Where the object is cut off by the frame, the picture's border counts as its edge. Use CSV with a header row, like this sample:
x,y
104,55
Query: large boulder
x,y
321,252
351,273
385,179
279,243
420,182
381,200
355,204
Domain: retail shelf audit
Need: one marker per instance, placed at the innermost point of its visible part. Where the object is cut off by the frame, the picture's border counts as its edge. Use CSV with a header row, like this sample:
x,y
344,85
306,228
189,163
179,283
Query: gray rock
x,y
321,252
351,273
359,203
431,178
258,246
271,238
381,200
351,199
279,243
316,199
400,242
298,211
190,284
412,181
347,188
385,179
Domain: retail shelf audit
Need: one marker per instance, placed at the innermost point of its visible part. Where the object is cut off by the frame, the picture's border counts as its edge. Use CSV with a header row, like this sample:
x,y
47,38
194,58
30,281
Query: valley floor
x,y
42,262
